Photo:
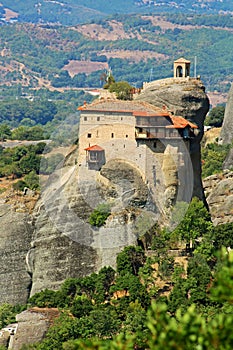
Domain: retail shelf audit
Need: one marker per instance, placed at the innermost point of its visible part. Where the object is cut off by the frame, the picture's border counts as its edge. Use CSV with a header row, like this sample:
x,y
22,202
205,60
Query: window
x,y
85,119
88,136
98,119
93,156
112,135
155,144
124,146
126,136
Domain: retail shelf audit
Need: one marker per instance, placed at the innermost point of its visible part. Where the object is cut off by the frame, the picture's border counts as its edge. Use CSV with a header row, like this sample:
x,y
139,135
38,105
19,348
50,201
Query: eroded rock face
x,y
58,242
226,135
186,98
15,239
64,244
219,193
61,241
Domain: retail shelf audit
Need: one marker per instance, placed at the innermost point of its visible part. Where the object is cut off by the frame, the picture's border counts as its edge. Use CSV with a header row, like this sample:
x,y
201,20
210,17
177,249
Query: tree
x,y
130,260
29,162
196,222
7,315
28,133
222,286
198,278
122,89
215,116
5,132
32,180
213,156
223,235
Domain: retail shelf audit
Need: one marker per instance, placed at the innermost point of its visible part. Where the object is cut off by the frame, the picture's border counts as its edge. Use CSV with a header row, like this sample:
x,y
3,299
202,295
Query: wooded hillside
x,y
136,48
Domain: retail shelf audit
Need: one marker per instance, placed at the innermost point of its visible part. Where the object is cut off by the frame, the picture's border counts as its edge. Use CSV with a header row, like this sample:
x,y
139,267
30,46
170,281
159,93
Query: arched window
x,y
179,72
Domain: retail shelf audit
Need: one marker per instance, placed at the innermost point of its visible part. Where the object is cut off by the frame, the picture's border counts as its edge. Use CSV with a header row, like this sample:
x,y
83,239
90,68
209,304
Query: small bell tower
x,y
181,68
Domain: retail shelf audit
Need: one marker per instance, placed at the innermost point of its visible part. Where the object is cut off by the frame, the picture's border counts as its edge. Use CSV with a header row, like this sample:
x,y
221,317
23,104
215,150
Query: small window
x,y
140,155
124,146
155,144
88,136
85,119
126,136
98,119
121,118
97,133
112,135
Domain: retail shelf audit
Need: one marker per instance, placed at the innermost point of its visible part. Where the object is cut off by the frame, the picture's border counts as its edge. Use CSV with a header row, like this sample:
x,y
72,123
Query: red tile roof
x,y
137,109
94,148
160,113
180,123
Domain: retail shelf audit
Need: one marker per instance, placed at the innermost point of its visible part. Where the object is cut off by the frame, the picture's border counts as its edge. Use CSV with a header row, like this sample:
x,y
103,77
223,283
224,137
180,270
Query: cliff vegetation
x,y
153,300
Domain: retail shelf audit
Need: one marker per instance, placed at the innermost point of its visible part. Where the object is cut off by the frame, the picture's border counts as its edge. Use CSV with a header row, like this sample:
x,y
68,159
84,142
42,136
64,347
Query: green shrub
x,y
19,185
99,216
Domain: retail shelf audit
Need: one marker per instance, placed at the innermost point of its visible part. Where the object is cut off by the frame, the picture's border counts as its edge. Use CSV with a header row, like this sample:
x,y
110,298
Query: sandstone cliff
x,y
64,244
226,135
15,239
187,98
57,242
219,193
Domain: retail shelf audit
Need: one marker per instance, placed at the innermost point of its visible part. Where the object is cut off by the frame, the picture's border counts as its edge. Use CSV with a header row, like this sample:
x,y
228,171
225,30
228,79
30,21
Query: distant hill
x,y
137,48
72,12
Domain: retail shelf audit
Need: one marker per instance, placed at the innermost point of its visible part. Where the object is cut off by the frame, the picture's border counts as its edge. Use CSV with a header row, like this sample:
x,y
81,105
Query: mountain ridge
x,y
69,12
136,48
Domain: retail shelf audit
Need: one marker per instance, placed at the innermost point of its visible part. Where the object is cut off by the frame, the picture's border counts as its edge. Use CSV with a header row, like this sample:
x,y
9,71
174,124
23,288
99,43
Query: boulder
x,y
219,193
32,327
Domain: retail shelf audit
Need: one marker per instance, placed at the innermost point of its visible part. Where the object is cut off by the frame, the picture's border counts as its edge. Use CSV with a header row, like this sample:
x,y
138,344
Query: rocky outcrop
x,y
184,97
57,242
64,244
61,241
32,327
15,239
226,136
219,193
228,163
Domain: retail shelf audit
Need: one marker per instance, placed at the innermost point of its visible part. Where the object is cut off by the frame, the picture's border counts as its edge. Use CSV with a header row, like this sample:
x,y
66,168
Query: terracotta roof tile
x,y
94,148
180,123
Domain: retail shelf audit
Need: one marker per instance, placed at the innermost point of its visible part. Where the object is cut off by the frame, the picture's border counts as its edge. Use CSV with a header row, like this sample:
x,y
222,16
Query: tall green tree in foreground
x,y
195,224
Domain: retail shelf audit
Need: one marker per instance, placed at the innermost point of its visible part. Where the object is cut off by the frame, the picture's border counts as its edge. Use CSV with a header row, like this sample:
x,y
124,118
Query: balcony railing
x,y
154,133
